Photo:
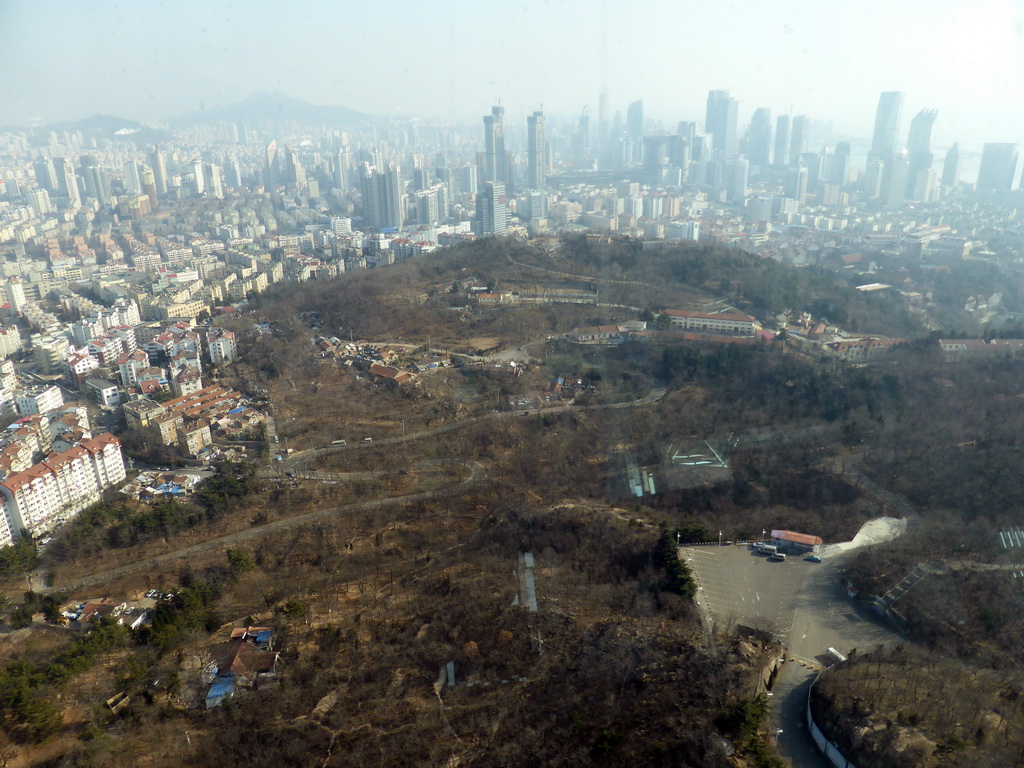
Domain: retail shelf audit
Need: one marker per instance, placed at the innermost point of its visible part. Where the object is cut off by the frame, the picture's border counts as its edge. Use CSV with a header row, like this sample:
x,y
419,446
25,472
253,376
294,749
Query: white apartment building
x,y
53,491
6,537
130,365
727,323
222,346
10,340
39,400
77,367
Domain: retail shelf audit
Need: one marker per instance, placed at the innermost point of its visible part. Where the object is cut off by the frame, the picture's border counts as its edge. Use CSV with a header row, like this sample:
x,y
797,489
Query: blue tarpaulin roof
x,y
239,409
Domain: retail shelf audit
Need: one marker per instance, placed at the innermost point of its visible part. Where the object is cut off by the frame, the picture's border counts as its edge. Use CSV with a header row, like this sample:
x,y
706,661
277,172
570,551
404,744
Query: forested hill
x,y
417,296
760,286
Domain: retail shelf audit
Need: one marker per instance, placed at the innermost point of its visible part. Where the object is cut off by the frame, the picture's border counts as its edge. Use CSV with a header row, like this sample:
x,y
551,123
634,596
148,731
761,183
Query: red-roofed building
x,y
796,542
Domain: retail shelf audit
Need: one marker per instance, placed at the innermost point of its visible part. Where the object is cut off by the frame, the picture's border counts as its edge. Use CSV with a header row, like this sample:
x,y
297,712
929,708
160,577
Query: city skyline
x,y
802,62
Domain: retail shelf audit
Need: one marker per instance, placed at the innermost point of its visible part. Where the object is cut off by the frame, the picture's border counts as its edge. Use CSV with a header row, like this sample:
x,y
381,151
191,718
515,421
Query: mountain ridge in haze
x,y
264,105
98,126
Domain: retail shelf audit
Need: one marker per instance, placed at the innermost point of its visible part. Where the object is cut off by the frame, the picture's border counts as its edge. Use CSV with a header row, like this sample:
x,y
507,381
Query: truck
x,y
768,549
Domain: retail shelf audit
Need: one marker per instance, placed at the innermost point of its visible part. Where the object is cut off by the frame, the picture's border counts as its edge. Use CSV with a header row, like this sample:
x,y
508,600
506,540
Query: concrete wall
x,y
830,750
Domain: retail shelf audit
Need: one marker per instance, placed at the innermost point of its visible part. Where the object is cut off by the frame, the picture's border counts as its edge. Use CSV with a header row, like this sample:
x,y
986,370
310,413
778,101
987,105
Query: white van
x,y
769,549
778,557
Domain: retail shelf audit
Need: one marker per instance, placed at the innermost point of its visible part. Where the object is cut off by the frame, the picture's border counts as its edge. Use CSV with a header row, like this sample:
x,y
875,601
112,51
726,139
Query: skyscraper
x,y
46,175
635,121
491,210
951,166
998,166
271,166
581,141
633,142
887,125
759,138
212,177
149,187
736,172
294,173
796,181
720,121
159,170
68,181
919,153
132,182
840,164
342,164
798,137
382,196
197,172
537,151
781,157
495,160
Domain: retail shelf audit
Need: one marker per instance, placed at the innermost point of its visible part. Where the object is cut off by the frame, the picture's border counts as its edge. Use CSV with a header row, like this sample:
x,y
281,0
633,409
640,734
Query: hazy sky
x,y
452,58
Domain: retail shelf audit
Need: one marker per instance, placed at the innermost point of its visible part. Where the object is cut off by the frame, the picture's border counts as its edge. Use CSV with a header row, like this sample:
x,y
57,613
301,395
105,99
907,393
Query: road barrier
x,y
830,750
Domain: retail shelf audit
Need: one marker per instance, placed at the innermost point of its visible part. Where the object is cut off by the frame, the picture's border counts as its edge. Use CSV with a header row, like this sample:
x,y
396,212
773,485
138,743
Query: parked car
x,y
778,557
813,559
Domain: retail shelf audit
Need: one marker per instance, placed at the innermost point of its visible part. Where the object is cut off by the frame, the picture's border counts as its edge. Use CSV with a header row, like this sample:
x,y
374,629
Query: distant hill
x,y
262,105
97,127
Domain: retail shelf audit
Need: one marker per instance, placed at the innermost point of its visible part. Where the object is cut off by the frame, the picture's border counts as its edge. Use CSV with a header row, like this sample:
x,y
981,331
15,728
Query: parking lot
x,y
804,604
739,585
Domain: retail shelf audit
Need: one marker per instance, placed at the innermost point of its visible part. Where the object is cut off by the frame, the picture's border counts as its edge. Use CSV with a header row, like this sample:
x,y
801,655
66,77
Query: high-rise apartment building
x,y
635,120
197,174
382,197
536,150
491,210
720,121
887,125
998,166
159,170
342,168
736,172
294,173
132,181
46,175
495,159
796,182
759,137
214,185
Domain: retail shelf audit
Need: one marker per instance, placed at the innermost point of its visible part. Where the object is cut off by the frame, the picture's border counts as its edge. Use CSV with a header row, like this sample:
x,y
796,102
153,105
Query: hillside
x,y
386,534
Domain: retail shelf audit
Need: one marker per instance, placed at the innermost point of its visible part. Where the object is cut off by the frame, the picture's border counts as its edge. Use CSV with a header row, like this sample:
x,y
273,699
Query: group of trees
x,y
27,690
120,524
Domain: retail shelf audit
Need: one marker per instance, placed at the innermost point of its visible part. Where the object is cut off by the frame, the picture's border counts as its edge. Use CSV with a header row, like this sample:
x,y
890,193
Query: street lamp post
x,y
719,538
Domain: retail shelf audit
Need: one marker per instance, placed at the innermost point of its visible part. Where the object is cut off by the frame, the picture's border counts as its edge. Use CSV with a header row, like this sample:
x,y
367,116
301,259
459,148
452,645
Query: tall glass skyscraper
x,y
887,124
720,121
495,160
998,166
